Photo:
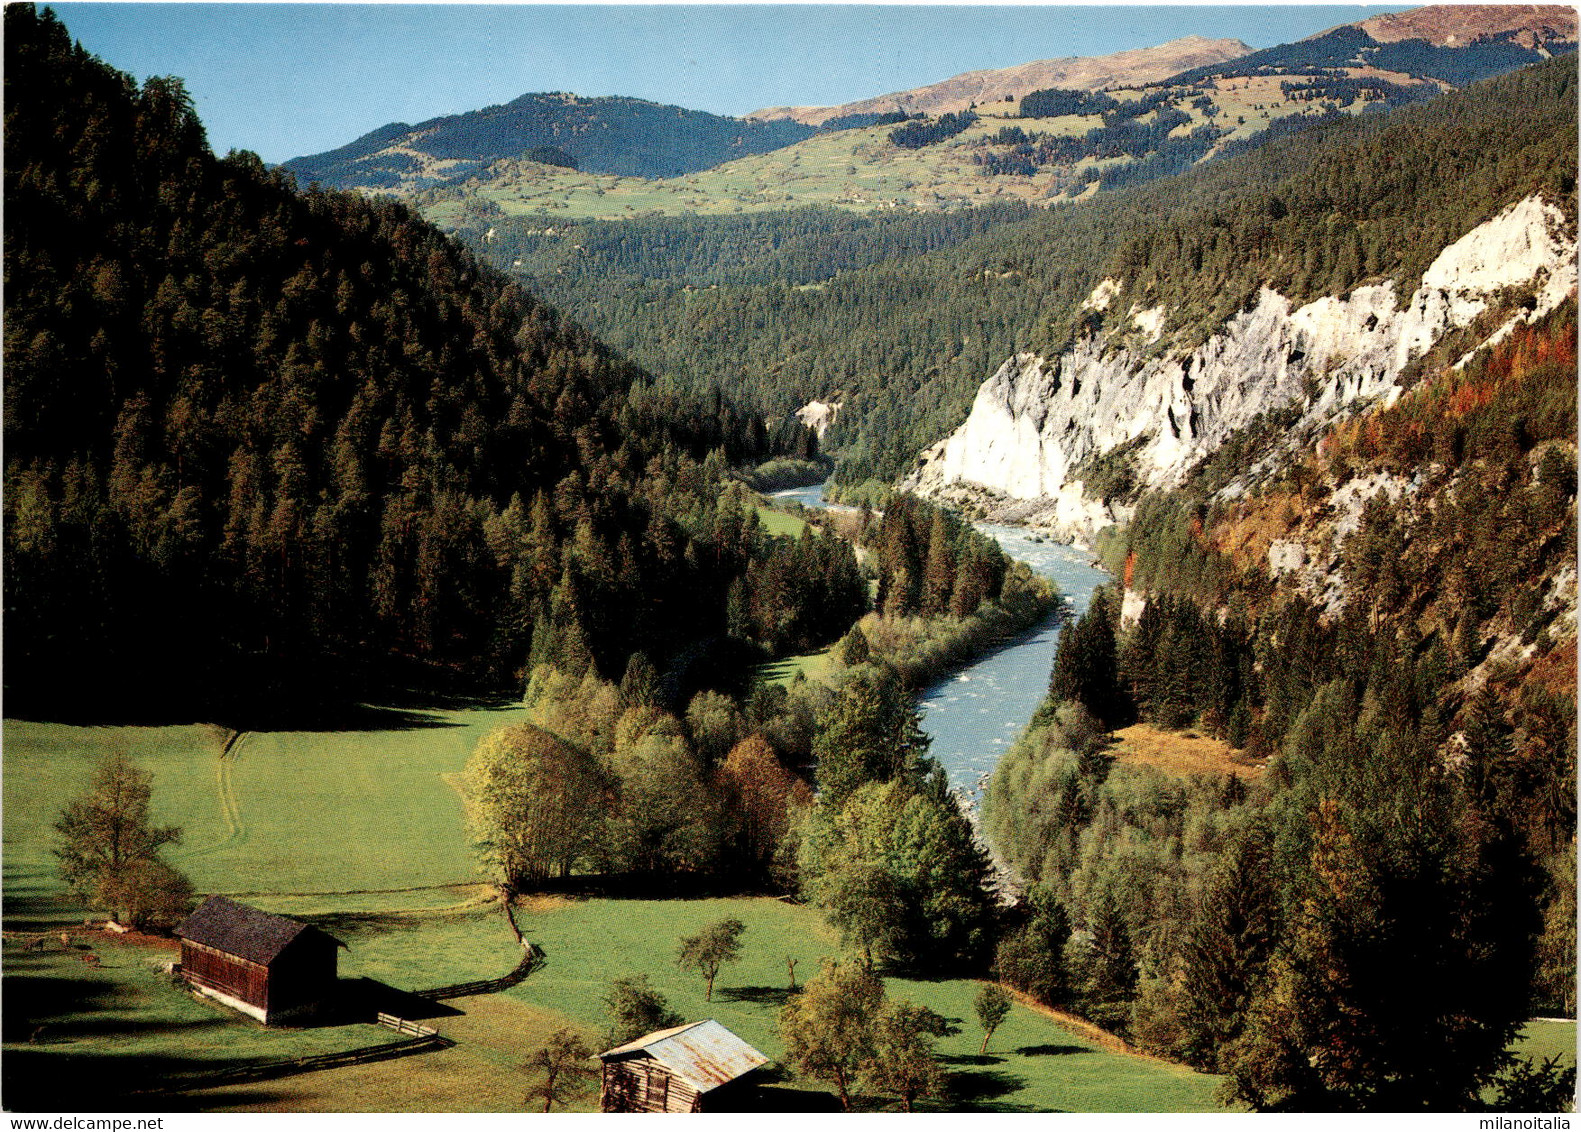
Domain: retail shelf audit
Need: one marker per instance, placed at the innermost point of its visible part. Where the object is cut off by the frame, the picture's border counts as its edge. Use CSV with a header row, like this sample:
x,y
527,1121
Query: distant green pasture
x,y
777,522
285,811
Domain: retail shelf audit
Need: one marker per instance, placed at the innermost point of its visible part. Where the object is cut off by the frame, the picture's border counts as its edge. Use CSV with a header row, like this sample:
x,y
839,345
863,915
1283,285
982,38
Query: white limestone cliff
x,y
818,415
1035,420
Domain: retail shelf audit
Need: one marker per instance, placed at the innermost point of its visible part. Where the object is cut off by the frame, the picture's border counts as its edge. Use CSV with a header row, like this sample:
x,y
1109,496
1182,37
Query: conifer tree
x,y
1228,947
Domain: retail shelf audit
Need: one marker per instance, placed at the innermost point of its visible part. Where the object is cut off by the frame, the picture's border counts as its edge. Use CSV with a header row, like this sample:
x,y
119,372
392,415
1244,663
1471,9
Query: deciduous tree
x,y
710,949
635,1009
992,1007
828,1027
904,1063
761,797
108,846
533,804
559,1069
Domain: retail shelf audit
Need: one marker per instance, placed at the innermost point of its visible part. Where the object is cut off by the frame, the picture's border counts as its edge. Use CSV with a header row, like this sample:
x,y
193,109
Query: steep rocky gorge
x,y
1039,425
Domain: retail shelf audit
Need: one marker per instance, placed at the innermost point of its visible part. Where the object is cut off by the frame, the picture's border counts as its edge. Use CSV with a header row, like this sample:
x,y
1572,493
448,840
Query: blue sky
x,y
290,79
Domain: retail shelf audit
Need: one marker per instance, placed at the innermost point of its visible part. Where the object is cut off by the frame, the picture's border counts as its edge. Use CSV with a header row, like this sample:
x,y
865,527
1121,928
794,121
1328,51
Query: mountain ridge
x,y
1071,72
1445,24
611,134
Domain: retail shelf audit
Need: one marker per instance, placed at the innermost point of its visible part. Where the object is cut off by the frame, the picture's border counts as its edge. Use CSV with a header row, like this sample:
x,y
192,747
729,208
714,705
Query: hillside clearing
x,y
813,665
1180,753
782,523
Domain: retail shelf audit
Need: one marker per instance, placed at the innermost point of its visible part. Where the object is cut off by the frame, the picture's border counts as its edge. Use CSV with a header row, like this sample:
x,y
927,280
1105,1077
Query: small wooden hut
x,y
270,967
699,1067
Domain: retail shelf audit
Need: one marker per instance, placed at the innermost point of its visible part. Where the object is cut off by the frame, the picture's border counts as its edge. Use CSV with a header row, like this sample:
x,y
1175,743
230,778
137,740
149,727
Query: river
x,y
975,714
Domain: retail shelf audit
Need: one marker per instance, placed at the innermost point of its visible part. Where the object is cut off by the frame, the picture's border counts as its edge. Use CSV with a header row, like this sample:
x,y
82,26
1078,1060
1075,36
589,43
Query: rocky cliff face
x,y
1020,453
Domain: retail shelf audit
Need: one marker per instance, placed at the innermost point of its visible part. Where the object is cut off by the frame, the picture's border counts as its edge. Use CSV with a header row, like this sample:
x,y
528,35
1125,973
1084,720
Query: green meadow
x,y
284,811
781,523
360,832
124,1025
813,665
323,826
1032,1063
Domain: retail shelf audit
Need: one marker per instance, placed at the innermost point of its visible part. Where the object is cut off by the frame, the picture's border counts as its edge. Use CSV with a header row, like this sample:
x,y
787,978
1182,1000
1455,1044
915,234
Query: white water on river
x,y
974,714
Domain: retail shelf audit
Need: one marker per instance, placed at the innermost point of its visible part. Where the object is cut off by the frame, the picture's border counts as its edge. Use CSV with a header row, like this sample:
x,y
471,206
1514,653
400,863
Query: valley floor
x,y
360,832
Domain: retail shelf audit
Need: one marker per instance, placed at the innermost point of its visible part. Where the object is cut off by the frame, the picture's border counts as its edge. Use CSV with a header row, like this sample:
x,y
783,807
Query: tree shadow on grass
x,y
336,717
42,1079
973,1059
49,1001
758,996
352,923
1050,1050
978,1088
31,905
53,1021
67,1033
770,1088
777,1098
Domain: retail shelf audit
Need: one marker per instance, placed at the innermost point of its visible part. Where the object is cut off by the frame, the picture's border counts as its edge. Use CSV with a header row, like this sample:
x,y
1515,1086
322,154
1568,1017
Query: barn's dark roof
x,y
704,1054
238,929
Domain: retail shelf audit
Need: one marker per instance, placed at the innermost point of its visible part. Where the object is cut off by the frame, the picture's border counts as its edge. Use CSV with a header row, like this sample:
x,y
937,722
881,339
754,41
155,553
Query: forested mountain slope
x,y
1043,133
1318,289
901,329
261,444
1322,426
1381,622
1447,43
627,136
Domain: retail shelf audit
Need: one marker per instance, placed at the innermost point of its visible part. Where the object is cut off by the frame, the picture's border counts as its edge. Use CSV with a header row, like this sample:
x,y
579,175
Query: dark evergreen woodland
x,y
1353,47
260,441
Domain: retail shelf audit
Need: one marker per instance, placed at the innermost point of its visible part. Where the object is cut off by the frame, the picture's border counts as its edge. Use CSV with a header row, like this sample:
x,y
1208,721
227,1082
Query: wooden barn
x,y
270,967
698,1067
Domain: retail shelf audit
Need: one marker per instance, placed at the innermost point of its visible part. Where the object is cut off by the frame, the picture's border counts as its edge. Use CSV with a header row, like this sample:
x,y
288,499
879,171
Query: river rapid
x,y
973,715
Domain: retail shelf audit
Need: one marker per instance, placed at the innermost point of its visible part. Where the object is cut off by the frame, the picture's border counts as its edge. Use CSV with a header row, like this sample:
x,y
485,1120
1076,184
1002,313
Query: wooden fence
x,y
427,1039
532,958
405,1026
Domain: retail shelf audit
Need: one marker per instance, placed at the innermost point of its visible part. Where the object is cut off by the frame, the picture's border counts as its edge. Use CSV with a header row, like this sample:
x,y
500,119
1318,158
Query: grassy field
x,y
285,811
359,832
123,1024
783,523
1548,1038
1032,1064
813,665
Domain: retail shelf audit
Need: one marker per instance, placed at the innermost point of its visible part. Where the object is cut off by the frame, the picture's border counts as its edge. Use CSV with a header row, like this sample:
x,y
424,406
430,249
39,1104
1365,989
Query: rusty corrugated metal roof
x,y
703,1054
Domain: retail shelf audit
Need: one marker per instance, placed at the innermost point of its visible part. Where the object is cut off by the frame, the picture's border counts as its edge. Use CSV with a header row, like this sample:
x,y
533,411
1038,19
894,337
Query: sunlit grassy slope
x,y
284,811
854,169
